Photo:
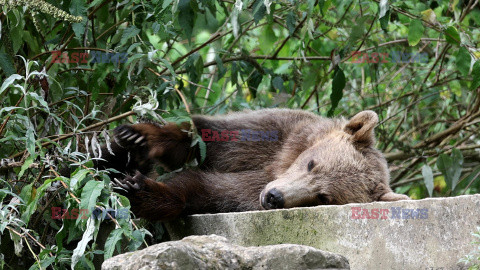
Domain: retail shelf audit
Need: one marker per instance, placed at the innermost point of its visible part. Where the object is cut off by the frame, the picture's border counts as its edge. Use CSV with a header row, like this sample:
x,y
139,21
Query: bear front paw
x,y
128,137
129,185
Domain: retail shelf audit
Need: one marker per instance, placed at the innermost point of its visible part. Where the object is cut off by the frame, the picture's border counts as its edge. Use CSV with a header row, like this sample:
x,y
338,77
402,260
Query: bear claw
x,y
129,185
124,135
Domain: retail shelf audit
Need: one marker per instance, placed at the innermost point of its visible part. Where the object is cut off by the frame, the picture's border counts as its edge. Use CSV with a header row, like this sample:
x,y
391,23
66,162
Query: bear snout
x,y
272,199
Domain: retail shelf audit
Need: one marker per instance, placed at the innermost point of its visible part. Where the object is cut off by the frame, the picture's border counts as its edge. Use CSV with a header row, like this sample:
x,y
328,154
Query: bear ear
x,y
361,128
392,196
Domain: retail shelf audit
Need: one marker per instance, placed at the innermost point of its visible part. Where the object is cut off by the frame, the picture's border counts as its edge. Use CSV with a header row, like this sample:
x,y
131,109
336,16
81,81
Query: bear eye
x,y
310,165
323,199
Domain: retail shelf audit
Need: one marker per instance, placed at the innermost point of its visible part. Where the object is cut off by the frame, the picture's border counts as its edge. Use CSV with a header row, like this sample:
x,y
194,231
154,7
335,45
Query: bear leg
x,y
169,144
150,199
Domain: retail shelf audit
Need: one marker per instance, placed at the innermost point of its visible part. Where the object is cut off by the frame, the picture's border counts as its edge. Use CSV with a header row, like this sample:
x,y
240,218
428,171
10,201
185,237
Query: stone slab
x,y
216,252
436,240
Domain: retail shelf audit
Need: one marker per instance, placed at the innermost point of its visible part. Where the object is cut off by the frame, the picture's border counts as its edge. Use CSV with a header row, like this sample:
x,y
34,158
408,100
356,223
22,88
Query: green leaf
x,y
94,3
221,69
8,109
26,193
253,82
6,64
43,263
463,60
457,158
475,76
62,233
267,39
137,239
30,140
384,21
321,3
166,3
452,36
39,99
337,89
259,11
472,177
358,30
428,178
203,149
234,73
169,67
415,32
26,164
82,245
128,33
277,83
186,17
112,240
291,22
79,176
383,8
9,81
451,167
194,65
78,8
90,193
33,204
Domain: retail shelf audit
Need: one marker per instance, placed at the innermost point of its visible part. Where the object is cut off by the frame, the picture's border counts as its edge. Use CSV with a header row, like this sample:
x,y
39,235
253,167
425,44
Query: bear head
x,y
330,162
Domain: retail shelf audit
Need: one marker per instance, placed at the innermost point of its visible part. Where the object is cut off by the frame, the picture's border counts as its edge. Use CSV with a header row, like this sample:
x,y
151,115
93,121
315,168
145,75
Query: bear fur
x,y
309,161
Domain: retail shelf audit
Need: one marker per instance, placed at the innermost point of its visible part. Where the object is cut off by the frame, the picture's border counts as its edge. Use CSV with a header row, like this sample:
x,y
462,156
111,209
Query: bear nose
x,y
273,199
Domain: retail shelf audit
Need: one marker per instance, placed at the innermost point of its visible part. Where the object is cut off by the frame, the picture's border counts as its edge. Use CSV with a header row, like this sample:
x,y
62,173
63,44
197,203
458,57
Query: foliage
x,y
66,81
473,259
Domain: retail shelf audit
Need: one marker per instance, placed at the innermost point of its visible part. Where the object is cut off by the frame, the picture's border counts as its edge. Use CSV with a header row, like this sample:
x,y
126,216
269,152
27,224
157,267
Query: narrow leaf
x,y
82,245
203,150
9,81
475,75
186,17
79,176
90,193
128,33
463,61
259,11
291,22
113,238
384,21
337,89
428,178
457,158
451,167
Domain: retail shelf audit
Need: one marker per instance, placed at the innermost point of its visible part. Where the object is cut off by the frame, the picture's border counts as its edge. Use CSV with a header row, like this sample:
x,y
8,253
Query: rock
x,y
216,252
432,233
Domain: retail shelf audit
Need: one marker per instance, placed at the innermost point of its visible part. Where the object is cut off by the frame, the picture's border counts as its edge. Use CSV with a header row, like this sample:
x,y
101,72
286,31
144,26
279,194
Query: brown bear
x,y
264,159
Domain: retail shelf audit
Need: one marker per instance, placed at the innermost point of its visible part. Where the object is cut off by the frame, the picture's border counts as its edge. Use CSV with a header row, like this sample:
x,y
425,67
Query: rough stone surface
x,y
216,252
439,240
